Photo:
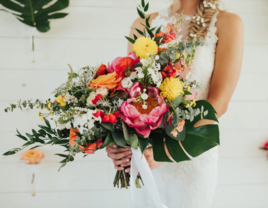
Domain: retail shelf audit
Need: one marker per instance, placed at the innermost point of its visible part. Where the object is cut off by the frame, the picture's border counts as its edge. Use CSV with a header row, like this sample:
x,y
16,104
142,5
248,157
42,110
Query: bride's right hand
x,y
121,156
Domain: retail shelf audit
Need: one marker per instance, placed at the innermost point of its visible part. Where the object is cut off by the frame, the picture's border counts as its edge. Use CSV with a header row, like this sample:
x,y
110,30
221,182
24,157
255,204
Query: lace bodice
x,y
204,59
190,184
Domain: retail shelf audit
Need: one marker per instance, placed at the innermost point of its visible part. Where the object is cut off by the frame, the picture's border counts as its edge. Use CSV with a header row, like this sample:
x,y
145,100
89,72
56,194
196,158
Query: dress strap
x,y
211,37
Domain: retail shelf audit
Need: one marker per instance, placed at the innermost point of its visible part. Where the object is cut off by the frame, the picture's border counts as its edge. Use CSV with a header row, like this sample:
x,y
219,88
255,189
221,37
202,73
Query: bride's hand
x,y
121,156
149,155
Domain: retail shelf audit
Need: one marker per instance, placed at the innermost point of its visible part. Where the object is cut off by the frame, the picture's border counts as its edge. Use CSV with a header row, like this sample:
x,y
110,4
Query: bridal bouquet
x,y
145,98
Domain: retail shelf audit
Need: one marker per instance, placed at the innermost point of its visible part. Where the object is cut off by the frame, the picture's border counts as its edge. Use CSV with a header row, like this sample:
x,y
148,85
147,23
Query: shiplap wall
x,y
91,34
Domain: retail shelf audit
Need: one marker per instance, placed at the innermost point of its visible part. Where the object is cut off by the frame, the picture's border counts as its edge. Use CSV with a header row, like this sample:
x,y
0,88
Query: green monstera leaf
x,y
36,13
197,140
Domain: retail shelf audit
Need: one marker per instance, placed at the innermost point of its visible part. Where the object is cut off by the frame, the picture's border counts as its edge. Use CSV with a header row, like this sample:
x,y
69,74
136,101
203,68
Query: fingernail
x,y
114,145
127,160
127,170
122,165
130,152
122,168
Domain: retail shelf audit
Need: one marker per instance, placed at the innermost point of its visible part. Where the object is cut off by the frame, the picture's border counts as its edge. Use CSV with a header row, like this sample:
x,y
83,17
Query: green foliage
x,y
35,13
194,140
133,141
119,138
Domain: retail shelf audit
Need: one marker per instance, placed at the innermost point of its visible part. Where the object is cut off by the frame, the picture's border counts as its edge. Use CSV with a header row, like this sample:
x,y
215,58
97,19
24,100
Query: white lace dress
x,y
190,184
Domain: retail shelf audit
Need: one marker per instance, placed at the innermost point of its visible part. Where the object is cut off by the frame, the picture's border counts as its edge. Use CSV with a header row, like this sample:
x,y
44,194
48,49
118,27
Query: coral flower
x,y
109,81
169,71
143,120
89,149
143,46
33,156
180,126
174,133
112,66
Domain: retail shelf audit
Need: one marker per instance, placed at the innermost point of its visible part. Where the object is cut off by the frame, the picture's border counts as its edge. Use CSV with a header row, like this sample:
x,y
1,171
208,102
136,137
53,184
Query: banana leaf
x,y
197,140
35,13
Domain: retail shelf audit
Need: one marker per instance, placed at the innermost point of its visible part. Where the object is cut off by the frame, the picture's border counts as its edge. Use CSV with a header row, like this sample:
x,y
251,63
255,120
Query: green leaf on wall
x,y
36,13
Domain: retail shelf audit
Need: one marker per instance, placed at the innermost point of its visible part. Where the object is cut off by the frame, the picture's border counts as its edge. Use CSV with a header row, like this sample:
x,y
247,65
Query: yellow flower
x,y
51,113
187,106
193,103
37,107
178,55
143,46
188,88
49,105
60,99
39,113
171,88
42,118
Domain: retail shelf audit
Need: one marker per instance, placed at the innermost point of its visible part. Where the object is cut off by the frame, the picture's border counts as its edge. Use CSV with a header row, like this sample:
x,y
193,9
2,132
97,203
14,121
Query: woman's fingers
x,y
114,149
117,156
122,162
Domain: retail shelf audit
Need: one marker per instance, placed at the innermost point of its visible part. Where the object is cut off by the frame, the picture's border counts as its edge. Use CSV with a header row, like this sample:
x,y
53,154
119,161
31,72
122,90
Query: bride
x,y
217,65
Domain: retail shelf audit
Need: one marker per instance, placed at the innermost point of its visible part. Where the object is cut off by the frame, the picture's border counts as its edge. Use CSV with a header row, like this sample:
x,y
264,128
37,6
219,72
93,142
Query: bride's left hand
x,y
149,156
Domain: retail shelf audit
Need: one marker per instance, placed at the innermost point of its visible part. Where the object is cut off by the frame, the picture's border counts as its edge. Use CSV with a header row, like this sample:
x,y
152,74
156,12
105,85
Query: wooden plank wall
x,y
91,34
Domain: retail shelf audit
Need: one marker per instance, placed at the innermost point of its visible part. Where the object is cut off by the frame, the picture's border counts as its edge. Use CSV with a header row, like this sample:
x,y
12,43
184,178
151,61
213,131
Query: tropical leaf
x,y
35,13
197,139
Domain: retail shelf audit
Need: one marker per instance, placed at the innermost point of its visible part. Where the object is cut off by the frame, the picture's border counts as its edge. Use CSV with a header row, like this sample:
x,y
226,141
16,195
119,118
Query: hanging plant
x,y
36,13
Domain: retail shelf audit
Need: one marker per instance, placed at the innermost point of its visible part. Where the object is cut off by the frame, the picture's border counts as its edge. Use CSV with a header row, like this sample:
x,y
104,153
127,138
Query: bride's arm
x,y
228,61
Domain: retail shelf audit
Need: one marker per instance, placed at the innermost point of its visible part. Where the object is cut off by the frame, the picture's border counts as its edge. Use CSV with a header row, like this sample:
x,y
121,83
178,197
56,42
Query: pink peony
x,y
112,66
143,120
192,96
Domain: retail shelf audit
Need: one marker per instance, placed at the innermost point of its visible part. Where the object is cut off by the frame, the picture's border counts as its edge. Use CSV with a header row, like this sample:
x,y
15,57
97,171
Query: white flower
x,y
139,69
126,82
151,71
156,57
140,75
158,84
144,106
133,75
144,62
138,89
103,91
144,90
90,124
144,96
91,97
158,66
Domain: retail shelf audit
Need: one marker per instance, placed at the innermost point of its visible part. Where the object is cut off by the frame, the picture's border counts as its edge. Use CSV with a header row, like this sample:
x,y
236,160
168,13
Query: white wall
x,y
93,33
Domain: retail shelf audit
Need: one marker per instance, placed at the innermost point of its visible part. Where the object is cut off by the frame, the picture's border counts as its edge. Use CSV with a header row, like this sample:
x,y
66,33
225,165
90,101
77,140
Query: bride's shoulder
x,y
227,21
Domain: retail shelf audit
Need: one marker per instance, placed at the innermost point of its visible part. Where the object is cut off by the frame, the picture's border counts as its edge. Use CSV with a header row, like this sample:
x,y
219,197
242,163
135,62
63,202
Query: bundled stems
x,y
122,179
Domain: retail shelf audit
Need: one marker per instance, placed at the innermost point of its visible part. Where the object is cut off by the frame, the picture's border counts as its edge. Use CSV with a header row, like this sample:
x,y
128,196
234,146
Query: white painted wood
x,y
78,199
82,20
238,196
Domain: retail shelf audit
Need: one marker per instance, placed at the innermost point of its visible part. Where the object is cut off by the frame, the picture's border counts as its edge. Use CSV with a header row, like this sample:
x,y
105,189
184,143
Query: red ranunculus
x,y
99,113
124,64
110,118
102,70
96,99
169,71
